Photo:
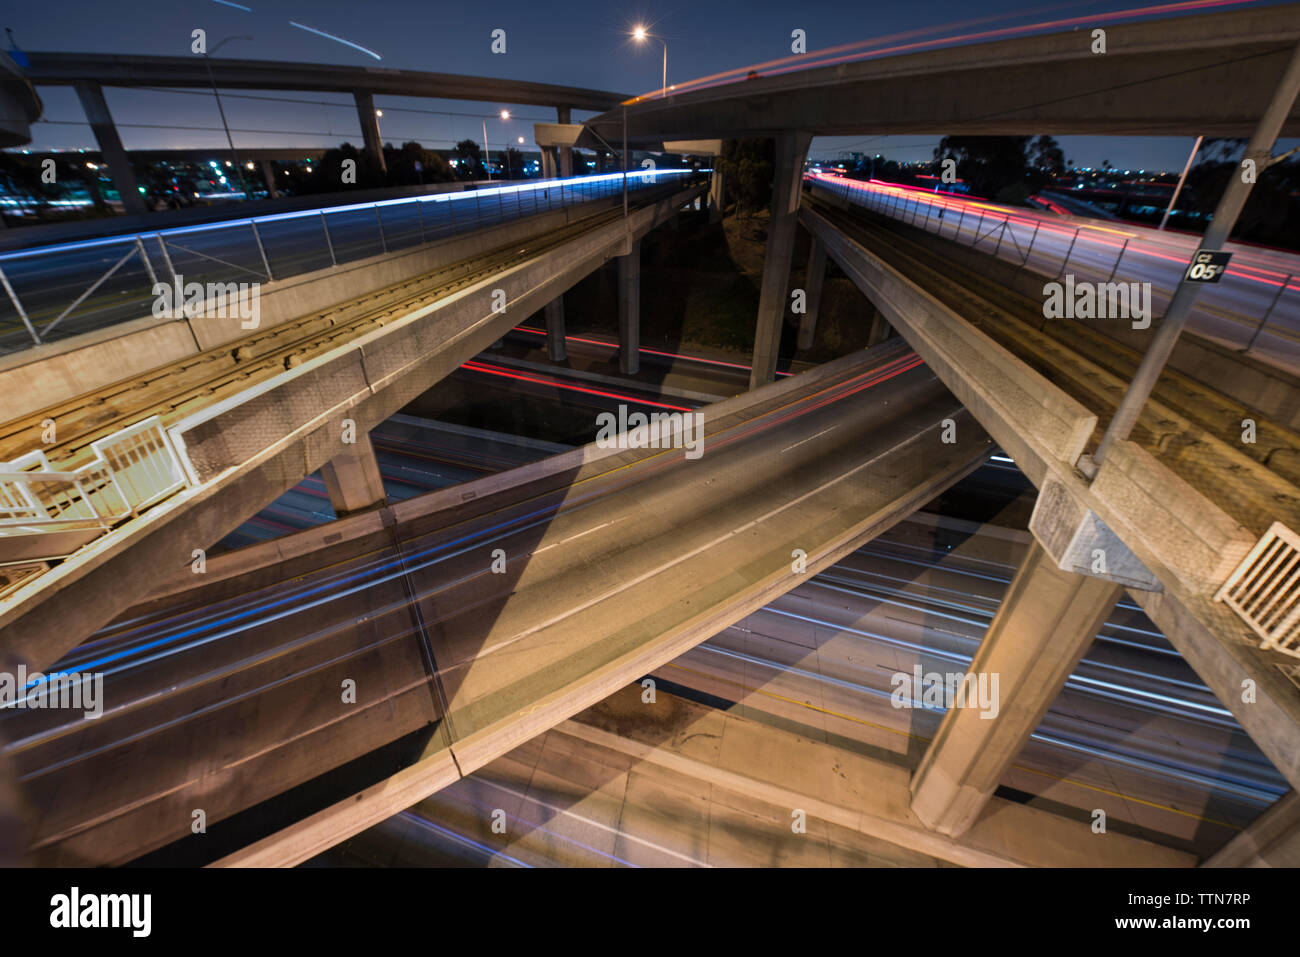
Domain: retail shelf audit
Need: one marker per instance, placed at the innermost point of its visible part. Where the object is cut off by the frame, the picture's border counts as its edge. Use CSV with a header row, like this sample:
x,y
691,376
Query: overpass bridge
x,y
89,73
236,419
472,618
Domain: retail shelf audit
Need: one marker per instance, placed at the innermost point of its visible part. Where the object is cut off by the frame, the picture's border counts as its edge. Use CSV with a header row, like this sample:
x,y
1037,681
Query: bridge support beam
x,y
791,150
629,310
352,478
1271,840
813,281
555,329
370,128
563,114
268,174
717,194
1046,622
110,145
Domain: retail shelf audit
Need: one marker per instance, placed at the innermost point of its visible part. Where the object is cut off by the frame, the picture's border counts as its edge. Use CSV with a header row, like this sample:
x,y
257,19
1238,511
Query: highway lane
x,y
1134,733
650,543
1259,281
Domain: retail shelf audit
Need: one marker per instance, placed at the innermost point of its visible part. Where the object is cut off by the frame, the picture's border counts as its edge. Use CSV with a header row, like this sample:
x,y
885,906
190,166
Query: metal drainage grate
x,y
1265,590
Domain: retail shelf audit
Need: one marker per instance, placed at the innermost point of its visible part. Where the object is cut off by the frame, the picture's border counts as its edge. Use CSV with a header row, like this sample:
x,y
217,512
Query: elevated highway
x,y
1177,508
1205,74
252,415
588,595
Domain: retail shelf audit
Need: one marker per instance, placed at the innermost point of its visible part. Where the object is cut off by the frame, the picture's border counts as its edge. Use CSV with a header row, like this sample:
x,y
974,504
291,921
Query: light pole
x,y
220,109
640,35
487,155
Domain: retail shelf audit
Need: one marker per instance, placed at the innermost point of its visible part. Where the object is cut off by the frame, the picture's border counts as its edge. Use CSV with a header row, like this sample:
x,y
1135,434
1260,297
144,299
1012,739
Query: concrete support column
x,y
1271,840
717,195
816,276
563,114
791,150
629,311
880,330
1046,622
548,162
352,478
268,174
370,128
555,329
110,145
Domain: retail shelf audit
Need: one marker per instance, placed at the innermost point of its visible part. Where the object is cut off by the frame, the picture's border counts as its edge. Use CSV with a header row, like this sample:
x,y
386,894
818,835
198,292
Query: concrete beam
x,y
717,196
365,101
1271,840
268,174
629,310
1185,75
1046,622
110,145
555,329
352,478
791,151
814,279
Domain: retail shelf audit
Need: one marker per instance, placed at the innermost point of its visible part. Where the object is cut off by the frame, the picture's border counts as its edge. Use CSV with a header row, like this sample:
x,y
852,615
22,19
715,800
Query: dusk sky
x,y
558,41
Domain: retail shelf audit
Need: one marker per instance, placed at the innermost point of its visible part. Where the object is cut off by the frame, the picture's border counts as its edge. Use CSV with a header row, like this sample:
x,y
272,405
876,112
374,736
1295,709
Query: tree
x,y
413,165
988,164
514,163
471,160
748,166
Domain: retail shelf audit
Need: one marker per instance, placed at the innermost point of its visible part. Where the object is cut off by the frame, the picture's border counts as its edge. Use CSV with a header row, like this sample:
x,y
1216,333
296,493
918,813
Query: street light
x,y
207,59
378,132
487,154
640,35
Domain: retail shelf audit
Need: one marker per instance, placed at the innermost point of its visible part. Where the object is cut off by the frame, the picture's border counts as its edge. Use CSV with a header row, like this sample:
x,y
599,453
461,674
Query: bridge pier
x,y
563,114
1046,622
791,150
1271,840
352,478
548,162
110,145
629,310
717,194
268,174
813,281
555,329
370,128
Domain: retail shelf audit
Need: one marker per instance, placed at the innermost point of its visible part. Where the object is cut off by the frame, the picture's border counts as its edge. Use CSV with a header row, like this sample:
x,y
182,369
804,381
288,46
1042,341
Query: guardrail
x,y
57,291
1022,240
132,469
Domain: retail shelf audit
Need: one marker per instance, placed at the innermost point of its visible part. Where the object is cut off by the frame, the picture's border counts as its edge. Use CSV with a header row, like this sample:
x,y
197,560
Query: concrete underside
x,y
248,450
1208,74
1183,538
639,555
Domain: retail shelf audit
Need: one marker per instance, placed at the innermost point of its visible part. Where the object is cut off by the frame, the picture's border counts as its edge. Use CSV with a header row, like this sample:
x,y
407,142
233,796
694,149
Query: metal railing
x,y
132,469
1265,590
53,292
1253,310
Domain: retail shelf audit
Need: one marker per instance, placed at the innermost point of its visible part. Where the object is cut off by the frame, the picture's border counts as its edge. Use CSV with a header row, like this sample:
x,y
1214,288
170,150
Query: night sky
x,y
555,41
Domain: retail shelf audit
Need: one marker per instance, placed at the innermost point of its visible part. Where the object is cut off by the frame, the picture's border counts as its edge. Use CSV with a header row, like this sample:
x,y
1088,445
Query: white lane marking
x,y
809,439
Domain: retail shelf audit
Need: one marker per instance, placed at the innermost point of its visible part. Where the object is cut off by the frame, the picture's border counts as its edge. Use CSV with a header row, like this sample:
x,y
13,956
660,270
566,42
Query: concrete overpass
x,y
90,73
583,597
1208,74
283,403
